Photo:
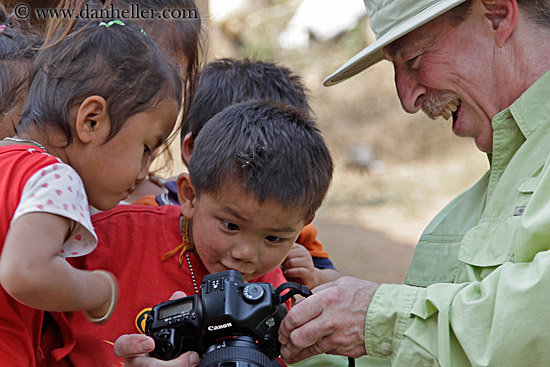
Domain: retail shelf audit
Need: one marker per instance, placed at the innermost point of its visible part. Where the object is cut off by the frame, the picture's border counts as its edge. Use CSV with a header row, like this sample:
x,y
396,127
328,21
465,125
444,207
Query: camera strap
x,y
294,289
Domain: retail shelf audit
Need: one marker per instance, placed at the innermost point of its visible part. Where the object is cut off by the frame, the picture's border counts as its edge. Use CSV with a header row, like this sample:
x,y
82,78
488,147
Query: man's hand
x,y
298,266
134,348
332,321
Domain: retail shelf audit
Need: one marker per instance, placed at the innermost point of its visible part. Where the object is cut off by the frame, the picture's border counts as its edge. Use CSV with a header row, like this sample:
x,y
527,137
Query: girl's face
x,y
111,170
232,230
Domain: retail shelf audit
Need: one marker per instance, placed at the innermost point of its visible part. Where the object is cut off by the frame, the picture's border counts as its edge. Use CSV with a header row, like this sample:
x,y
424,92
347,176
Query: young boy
x,y
258,173
223,83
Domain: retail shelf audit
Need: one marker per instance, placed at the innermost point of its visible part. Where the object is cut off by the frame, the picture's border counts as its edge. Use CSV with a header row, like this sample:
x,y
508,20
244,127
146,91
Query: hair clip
x,y
119,22
2,28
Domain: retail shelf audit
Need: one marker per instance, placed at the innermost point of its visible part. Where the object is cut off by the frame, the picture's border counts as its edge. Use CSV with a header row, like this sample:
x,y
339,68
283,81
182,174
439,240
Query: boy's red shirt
x,y
132,241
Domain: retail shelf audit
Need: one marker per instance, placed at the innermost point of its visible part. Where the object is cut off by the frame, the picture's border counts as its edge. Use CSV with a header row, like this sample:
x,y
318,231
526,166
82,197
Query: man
x,y
479,283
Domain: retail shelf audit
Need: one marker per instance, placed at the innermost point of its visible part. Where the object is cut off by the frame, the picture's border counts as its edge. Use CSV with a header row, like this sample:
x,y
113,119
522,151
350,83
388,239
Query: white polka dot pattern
x,y
58,189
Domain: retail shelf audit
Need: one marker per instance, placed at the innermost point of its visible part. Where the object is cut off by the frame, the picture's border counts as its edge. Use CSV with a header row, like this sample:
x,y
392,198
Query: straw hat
x,y
389,20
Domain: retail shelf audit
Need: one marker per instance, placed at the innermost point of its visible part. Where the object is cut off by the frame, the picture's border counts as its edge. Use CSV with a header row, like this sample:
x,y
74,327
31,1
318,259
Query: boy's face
x,y
232,230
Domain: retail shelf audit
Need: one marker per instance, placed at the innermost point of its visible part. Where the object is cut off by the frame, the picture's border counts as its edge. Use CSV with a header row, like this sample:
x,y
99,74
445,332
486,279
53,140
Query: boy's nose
x,y
245,252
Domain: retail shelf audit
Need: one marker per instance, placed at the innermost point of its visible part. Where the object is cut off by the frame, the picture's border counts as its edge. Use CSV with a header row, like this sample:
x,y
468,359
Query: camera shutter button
x,y
253,292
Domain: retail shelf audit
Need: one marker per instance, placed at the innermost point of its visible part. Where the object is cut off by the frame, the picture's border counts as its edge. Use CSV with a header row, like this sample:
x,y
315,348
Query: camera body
x,y
229,317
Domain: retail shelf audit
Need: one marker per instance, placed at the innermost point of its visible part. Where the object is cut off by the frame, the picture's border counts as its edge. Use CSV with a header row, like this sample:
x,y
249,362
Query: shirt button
x,y
386,349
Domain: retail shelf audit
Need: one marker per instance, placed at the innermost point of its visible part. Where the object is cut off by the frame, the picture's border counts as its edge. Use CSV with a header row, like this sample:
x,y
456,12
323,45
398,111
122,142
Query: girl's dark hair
x,y
18,48
117,62
181,38
272,150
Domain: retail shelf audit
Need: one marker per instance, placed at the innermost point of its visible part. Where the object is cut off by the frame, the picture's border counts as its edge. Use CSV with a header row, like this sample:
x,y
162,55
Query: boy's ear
x,y
186,195
93,122
187,147
503,17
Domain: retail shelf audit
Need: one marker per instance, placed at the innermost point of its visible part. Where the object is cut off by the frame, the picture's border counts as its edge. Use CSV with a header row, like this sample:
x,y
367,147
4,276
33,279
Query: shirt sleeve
x,y
499,321
58,189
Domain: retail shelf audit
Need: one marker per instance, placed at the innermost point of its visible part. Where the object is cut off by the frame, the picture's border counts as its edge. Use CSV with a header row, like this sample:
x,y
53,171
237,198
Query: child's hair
x,y
114,59
18,48
225,82
274,151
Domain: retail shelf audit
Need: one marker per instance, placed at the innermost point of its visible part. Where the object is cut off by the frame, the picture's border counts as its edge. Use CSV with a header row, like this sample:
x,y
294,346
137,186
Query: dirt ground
x,y
372,218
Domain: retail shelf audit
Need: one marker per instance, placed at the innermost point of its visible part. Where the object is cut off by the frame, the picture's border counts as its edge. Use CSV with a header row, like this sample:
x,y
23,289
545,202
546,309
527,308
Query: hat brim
x,y
373,53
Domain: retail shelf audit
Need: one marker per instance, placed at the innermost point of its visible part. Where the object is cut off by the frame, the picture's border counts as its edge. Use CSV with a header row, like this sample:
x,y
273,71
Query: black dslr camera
x,y
231,323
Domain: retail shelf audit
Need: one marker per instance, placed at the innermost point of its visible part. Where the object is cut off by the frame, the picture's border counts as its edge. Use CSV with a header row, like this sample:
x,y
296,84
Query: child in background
x,y
258,174
225,82
18,49
93,115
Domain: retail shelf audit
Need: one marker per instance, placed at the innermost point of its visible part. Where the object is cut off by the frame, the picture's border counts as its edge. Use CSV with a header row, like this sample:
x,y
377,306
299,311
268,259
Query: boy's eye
x,y
273,239
230,226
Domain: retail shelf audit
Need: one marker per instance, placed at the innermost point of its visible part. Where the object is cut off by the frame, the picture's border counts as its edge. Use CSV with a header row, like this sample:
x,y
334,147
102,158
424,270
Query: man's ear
x,y
187,147
186,195
503,17
93,123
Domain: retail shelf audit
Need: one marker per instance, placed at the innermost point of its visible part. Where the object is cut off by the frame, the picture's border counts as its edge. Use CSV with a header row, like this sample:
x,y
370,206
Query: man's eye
x,y
230,226
413,63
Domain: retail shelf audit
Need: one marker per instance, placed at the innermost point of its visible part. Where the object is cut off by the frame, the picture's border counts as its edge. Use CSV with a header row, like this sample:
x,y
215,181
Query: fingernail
x,y
194,359
147,345
284,352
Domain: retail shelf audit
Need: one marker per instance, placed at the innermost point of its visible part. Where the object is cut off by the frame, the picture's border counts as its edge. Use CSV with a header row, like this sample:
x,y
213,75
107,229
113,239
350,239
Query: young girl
x,y
101,99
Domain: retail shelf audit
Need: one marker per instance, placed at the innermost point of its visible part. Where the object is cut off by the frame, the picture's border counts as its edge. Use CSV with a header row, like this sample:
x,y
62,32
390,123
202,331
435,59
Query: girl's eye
x,y
230,226
273,239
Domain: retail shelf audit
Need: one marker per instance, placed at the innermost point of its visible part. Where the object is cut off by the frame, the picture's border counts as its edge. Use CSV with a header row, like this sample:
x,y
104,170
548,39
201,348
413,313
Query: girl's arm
x,y
33,273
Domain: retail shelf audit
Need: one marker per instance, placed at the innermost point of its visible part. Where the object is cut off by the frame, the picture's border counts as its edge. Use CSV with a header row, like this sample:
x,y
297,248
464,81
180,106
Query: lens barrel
x,y
240,351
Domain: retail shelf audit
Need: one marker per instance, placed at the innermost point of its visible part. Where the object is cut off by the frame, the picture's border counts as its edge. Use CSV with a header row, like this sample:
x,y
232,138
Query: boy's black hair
x,y
18,48
274,151
227,81
119,62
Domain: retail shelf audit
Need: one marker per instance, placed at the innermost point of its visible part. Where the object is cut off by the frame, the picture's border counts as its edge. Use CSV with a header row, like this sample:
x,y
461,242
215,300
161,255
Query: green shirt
x,y
478,289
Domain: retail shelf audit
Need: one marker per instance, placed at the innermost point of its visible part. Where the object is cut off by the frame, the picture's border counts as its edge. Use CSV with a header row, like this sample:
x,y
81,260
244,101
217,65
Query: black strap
x,y
295,288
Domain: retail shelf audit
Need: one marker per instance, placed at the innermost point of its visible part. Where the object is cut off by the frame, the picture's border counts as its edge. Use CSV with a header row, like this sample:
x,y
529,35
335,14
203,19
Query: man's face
x,y
447,70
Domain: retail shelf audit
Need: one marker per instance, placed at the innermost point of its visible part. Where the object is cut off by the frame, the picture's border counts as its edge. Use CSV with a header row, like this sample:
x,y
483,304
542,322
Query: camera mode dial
x,y
253,292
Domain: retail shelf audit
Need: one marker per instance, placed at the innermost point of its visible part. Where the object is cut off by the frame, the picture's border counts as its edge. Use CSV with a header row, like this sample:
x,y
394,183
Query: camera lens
x,y
240,351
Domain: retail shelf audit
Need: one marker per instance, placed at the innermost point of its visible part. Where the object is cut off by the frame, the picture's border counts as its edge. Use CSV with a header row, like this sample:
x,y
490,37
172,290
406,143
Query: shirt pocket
x,y
435,260
501,231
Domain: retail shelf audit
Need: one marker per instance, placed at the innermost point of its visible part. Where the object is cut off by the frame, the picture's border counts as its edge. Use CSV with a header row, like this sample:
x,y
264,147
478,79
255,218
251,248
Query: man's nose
x,y
410,92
